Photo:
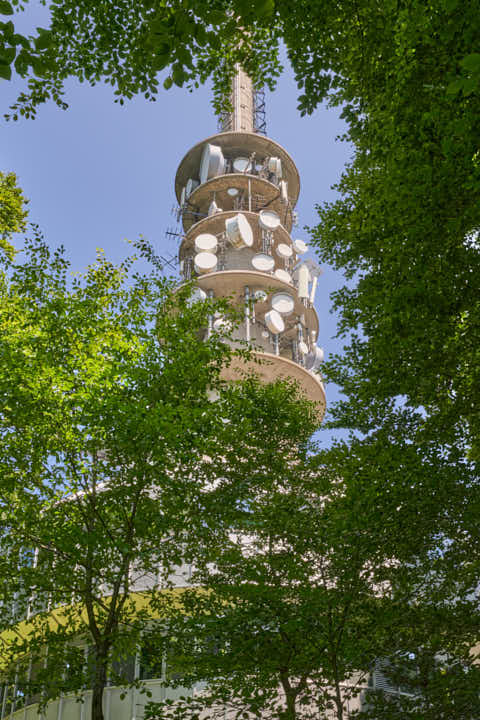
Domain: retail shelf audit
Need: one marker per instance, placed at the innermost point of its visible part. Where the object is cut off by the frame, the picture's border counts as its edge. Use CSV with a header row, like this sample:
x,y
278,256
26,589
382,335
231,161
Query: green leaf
x,y
44,40
471,62
7,55
39,67
178,75
5,72
450,5
5,8
168,82
455,86
265,8
21,40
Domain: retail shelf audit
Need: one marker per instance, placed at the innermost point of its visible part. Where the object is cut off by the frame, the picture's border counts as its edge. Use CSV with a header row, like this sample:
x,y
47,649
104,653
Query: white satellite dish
x,y
182,197
275,166
212,162
260,295
268,219
284,191
241,165
300,247
315,358
283,275
284,251
283,303
198,295
303,347
263,263
239,231
205,262
206,242
274,322
191,185
222,325
233,192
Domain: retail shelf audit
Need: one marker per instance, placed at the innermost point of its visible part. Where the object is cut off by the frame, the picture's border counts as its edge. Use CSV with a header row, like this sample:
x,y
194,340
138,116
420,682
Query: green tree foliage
x,y
104,382
335,48
12,210
127,44
404,229
313,568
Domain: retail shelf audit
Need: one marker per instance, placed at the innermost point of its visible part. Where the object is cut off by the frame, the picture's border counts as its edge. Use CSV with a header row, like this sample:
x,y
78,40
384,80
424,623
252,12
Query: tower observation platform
x,y
237,191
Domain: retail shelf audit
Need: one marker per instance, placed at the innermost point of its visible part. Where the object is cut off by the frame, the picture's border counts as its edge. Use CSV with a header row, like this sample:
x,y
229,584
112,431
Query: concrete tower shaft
x,y
242,116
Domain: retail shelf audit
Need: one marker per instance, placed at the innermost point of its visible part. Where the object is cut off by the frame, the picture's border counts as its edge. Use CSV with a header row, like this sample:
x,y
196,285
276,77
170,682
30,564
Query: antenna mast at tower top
x,y
248,106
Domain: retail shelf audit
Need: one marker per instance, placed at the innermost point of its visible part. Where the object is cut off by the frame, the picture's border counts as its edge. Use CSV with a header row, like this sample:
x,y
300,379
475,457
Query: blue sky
x,y
99,172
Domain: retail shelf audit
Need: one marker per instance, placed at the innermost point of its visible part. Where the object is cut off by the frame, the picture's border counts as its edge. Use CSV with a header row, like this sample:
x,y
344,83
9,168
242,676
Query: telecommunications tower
x,y
237,192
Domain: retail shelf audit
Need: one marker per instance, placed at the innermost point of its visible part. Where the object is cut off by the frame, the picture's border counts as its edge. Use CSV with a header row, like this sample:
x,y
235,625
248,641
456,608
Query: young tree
x,y
105,412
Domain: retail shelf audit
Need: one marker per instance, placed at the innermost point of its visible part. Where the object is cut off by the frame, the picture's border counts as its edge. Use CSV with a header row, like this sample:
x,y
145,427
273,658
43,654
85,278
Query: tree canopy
x,y
105,413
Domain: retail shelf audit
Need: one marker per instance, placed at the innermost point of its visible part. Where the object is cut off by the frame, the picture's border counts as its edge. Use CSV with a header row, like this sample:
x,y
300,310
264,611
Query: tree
x,y
405,233
12,210
105,413
309,574
404,229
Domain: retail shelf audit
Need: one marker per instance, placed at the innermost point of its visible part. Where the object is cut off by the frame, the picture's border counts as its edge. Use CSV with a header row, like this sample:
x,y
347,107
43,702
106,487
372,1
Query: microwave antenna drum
x,y
205,262
206,242
274,322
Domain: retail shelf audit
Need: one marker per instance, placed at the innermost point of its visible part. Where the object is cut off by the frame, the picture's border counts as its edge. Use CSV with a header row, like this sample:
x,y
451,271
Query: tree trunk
x,y
99,684
290,712
339,701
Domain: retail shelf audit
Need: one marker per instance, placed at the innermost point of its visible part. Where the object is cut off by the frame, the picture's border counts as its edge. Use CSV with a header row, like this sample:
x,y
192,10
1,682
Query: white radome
x,y
283,303
300,247
241,165
315,358
206,242
222,325
268,219
205,262
263,263
283,275
212,162
274,322
239,231
284,251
